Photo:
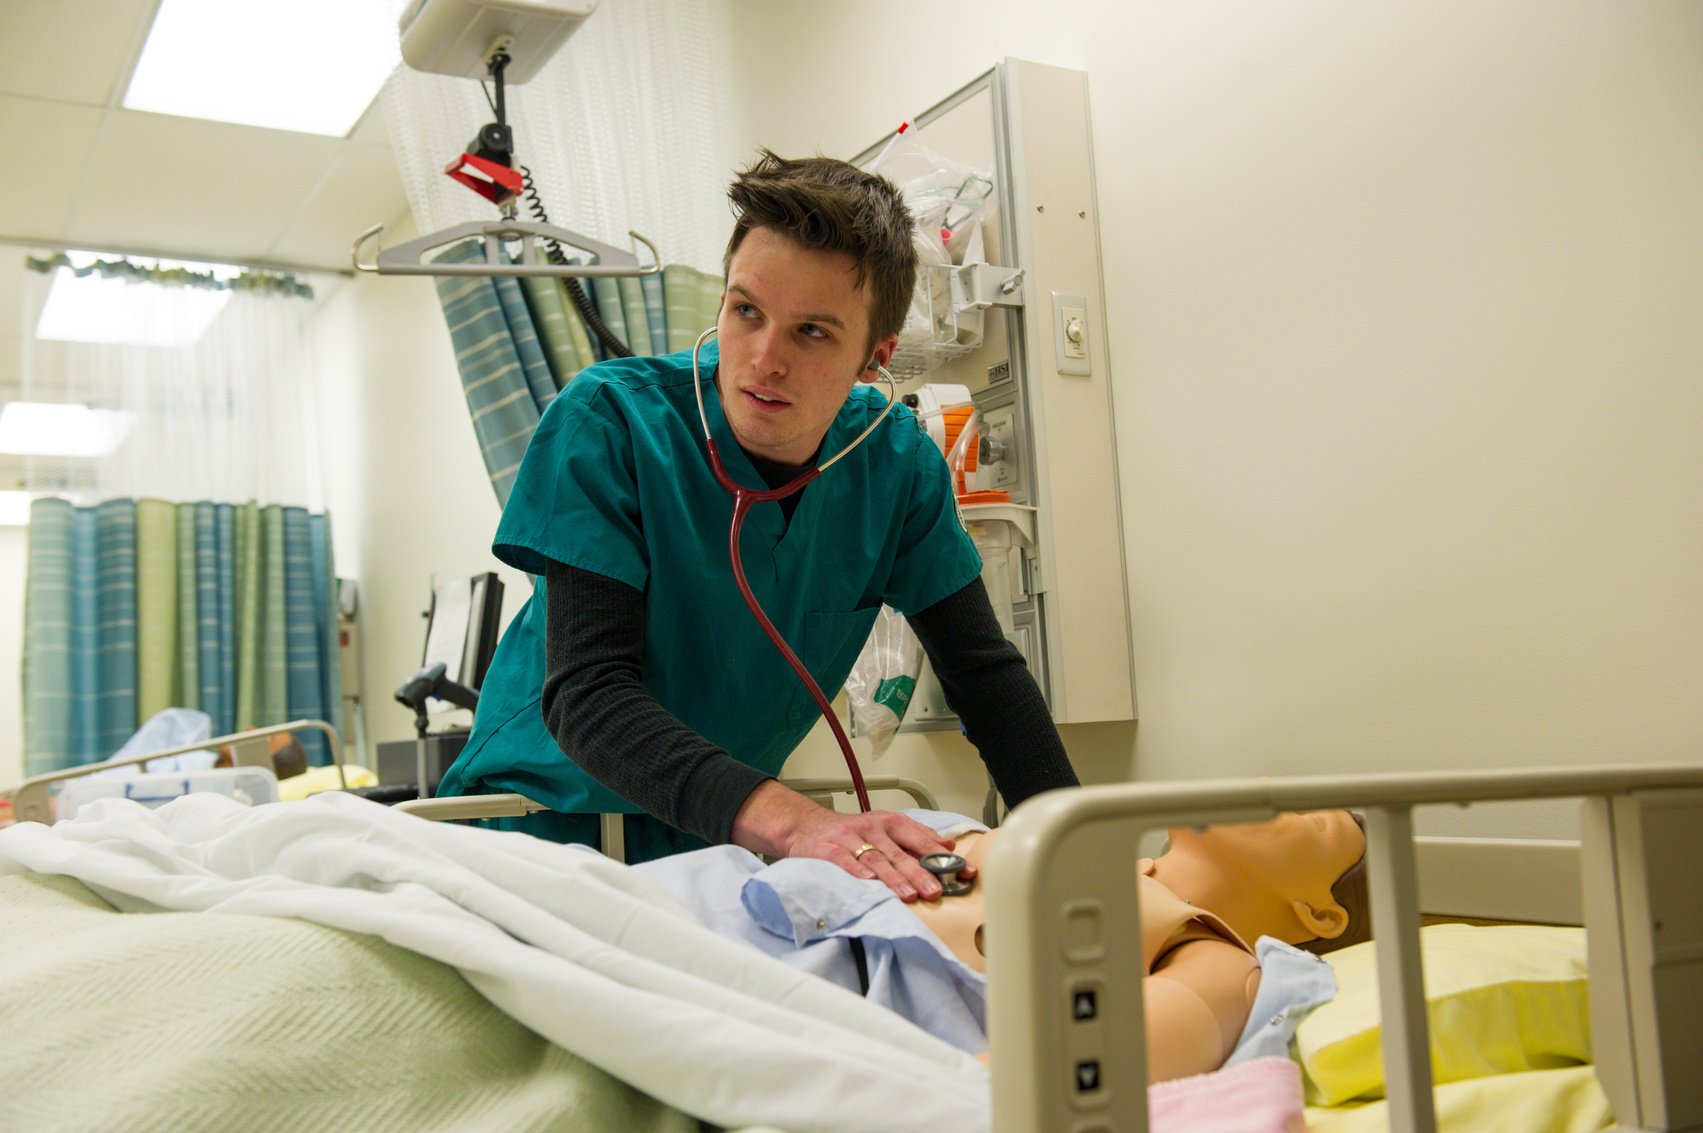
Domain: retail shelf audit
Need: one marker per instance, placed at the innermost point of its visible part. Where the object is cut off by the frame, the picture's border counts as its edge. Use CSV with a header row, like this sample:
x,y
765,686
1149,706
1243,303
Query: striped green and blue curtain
x,y
520,339
133,606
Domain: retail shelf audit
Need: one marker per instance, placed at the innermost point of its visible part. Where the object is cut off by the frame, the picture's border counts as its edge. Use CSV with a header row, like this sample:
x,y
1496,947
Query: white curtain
x,y
231,418
622,131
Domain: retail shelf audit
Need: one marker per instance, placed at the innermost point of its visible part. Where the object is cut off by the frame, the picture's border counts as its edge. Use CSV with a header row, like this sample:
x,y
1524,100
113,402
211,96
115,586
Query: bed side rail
x,y
1065,1019
30,802
613,837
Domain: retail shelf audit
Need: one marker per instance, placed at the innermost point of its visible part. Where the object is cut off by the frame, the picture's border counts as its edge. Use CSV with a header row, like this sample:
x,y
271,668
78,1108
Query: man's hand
x,y
782,823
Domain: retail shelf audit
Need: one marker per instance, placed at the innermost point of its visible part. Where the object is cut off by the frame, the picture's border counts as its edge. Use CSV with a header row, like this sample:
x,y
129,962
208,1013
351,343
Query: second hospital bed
x,y
157,1017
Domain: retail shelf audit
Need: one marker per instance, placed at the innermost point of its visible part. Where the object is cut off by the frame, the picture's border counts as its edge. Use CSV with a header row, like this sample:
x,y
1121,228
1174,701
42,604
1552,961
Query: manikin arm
x,y
1197,1002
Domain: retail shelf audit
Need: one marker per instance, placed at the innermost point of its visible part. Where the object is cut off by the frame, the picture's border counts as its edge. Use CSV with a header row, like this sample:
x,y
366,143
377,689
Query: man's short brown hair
x,y
833,206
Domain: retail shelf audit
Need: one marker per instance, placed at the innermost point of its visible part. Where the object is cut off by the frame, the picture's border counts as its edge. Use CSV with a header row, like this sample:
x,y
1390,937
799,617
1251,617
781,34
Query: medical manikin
x,y
1298,879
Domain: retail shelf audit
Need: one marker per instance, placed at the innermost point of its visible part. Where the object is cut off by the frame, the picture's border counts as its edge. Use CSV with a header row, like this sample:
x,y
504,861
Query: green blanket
x,y
182,1022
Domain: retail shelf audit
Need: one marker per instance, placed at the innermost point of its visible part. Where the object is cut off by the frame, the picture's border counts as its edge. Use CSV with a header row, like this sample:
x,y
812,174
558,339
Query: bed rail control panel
x,y
1088,1022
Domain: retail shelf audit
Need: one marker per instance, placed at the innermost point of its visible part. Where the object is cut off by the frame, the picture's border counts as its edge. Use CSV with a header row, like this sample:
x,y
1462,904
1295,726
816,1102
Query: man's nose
x,y
770,353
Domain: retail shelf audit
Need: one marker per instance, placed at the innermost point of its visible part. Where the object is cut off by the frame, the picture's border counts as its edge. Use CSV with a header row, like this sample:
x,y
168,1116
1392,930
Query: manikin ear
x,y
1325,922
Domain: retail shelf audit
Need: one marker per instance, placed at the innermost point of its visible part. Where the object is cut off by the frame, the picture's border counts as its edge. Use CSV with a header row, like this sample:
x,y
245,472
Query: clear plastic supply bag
x,y
881,684
948,199
949,203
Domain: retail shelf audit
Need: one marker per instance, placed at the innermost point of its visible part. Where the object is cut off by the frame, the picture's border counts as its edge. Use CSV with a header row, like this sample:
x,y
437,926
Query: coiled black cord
x,y
611,342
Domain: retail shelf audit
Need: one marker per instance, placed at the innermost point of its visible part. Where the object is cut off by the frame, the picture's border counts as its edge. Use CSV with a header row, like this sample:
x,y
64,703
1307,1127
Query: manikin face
x,y
1267,878
1299,855
792,334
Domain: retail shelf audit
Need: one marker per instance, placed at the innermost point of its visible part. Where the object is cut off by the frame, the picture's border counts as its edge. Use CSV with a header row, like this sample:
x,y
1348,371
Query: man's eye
x,y
811,330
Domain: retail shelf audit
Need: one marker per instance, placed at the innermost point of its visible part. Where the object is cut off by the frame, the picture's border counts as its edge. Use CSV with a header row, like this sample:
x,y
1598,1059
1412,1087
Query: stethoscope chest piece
x,y
946,867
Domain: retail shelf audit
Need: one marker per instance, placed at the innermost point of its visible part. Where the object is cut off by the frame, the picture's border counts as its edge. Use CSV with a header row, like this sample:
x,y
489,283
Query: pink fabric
x,y
1262,1095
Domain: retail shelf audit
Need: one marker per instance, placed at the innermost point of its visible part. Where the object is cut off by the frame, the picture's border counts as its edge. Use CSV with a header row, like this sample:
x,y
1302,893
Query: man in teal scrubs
x,y
635,680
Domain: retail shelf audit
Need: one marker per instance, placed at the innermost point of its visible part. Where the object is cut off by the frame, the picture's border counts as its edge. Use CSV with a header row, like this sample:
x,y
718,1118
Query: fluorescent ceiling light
x,y
95,308
15,508
38,428
312,66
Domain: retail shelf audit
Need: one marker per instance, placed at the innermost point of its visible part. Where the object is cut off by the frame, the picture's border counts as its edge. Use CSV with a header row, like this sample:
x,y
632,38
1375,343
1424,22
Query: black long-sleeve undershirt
x,y
603,718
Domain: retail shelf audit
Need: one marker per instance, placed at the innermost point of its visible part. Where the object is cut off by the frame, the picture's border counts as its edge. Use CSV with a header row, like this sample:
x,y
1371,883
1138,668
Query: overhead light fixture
x,y
40,428
120,311
313,66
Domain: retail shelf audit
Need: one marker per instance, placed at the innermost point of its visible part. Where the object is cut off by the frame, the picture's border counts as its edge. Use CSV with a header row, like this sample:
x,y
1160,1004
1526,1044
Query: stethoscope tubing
x,y
743,498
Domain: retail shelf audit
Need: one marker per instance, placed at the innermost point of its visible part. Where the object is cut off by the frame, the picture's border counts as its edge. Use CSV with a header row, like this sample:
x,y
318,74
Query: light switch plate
x,y
1070,333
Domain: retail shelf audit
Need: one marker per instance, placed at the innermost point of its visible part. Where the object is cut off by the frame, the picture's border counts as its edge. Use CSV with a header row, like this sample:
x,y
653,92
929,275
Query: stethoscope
x,y
743,498
945,867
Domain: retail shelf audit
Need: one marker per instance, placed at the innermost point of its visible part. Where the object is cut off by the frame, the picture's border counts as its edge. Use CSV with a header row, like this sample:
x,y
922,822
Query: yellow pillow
x,y
317,779
1500,999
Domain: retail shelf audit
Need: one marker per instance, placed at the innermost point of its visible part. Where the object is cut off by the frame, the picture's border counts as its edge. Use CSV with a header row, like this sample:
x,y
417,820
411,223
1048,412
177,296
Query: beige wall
x,y
1406,350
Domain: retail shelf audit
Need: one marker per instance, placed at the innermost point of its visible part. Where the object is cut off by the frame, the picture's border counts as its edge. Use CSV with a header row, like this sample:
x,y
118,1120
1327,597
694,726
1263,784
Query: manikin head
x,y
1290,878
1293,878
819,273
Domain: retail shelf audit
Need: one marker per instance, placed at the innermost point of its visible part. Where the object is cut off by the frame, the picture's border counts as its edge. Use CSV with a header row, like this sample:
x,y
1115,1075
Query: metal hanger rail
x,y
409,258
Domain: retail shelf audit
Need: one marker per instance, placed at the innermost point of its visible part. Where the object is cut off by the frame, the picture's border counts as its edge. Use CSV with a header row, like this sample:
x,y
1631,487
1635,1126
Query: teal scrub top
x,y
616,480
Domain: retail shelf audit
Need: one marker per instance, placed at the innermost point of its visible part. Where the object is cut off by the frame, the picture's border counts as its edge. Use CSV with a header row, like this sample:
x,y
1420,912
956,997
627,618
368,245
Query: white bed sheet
x,y
581,950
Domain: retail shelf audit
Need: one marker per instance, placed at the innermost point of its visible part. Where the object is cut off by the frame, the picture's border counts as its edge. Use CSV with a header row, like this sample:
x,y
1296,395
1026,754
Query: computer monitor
x,y
462,629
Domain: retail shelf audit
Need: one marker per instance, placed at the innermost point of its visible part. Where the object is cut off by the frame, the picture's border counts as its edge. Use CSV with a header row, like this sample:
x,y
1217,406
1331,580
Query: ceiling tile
x,y
199,187
70,50
52,141
362,189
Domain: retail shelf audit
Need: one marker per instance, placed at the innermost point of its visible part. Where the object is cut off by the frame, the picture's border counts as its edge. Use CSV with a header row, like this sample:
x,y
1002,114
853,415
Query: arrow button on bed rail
x,y
1087,1076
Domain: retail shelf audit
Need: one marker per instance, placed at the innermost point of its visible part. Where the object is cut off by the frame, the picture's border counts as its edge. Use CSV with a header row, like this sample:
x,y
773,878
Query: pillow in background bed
x,y
1500,999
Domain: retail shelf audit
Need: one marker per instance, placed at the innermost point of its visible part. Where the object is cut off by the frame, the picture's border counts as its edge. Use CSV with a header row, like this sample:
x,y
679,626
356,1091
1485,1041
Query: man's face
x,y
792,334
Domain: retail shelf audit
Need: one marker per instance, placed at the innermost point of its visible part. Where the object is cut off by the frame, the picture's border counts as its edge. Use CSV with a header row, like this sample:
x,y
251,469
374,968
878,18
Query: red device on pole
x,y
488,165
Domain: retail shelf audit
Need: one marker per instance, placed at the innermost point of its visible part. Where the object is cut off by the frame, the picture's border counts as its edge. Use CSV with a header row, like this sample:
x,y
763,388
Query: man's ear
x,y
1325,922
883,352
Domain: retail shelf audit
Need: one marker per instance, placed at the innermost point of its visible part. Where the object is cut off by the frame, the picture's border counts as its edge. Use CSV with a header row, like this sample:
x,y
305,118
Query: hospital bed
x,y
1059,920
32,799
611,832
